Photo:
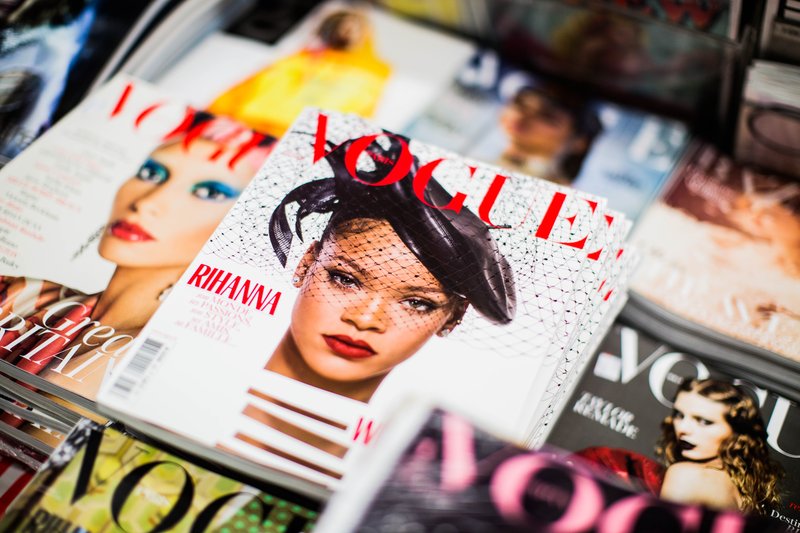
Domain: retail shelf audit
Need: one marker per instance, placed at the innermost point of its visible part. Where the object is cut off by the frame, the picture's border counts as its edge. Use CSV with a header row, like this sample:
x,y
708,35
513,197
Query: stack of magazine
x,y
264,266
358,267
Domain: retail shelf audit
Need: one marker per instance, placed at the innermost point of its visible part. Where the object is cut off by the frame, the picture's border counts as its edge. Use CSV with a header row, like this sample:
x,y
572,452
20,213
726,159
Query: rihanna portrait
x,y
387,274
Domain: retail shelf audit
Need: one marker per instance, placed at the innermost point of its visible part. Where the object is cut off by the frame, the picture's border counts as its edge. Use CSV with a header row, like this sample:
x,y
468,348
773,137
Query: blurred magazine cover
x,y
441,473
501,114
739,279
100,479
344,56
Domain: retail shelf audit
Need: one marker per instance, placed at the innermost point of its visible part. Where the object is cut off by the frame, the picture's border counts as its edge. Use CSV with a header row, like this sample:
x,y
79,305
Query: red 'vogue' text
x,y
402,166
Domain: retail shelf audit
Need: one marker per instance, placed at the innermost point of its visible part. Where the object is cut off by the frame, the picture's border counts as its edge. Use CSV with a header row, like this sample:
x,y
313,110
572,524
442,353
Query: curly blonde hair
x,y
745,457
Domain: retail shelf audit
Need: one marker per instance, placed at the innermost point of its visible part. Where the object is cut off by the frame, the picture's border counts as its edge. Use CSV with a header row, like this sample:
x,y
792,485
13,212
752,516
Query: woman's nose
x,y
367,313
152,202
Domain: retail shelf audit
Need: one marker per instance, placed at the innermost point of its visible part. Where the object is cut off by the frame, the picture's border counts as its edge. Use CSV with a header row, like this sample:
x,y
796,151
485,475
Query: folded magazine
x,y
435,471
358,266
684,427
101,479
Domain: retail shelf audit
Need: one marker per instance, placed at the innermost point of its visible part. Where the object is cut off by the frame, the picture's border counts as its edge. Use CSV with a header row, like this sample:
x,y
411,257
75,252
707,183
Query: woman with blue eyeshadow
x,y
160,218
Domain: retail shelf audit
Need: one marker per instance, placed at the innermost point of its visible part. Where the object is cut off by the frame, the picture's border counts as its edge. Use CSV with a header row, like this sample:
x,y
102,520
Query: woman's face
x,y
348,32
700,426
366,304
163,215
536,126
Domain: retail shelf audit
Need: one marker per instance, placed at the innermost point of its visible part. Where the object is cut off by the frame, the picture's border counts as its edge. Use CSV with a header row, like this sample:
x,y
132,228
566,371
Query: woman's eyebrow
x,y
352,264
422,288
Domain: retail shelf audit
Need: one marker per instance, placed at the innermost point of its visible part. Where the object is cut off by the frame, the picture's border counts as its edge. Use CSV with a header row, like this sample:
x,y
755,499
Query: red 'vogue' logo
x,y
402,166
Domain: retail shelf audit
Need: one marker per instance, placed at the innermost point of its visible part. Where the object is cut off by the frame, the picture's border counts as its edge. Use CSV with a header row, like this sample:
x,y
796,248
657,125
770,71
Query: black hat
x,y
455,247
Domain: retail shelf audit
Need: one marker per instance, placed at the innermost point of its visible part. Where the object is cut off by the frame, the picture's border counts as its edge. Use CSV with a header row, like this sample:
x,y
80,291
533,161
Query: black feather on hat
x,y
455,247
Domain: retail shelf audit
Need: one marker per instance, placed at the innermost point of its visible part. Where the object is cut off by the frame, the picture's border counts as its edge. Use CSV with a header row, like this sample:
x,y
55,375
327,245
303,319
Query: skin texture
x,y
159,204
362,283
177,198
694,483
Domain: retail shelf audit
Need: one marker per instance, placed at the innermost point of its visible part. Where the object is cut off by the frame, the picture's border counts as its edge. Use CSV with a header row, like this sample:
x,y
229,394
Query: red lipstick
x,y
344,346
129,231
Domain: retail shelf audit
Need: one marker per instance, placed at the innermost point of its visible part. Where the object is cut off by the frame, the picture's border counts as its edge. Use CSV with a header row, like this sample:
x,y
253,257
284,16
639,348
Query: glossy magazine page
x,y
501,114
676,425
102,480
443,473
610,296
741,275
360,265
344,56
98,219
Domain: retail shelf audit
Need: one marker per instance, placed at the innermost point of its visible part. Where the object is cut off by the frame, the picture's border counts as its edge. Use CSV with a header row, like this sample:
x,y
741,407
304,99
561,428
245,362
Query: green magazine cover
x,y
101,480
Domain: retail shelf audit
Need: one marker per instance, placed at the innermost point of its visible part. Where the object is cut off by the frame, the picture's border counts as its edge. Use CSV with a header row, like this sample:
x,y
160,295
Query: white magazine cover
x,y
358,267
593,327
346,56
596,284
99,217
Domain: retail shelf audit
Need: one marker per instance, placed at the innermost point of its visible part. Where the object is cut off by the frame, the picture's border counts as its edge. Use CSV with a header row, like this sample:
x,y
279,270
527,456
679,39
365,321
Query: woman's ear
x,y
305,264
455,318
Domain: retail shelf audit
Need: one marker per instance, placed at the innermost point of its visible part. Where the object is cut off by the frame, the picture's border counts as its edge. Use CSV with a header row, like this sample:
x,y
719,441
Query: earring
x,y
164,293
444,332
296,280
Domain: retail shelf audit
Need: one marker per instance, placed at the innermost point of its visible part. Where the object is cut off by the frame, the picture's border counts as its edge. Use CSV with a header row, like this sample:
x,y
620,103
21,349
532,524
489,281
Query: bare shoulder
x,y
688,482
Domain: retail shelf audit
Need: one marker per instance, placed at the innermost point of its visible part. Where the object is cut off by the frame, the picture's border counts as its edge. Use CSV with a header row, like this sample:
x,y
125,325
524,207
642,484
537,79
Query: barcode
x,y
133,374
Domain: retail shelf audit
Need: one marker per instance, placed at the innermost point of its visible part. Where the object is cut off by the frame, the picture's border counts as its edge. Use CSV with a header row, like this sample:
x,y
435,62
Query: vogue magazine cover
x,y
344,56
742,277
99,218
359,266
100,479
501,114
441,473
676,425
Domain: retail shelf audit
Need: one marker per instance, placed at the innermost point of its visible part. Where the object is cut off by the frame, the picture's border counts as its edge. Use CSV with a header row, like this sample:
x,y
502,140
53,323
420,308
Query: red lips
x,y
129,231
344,346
